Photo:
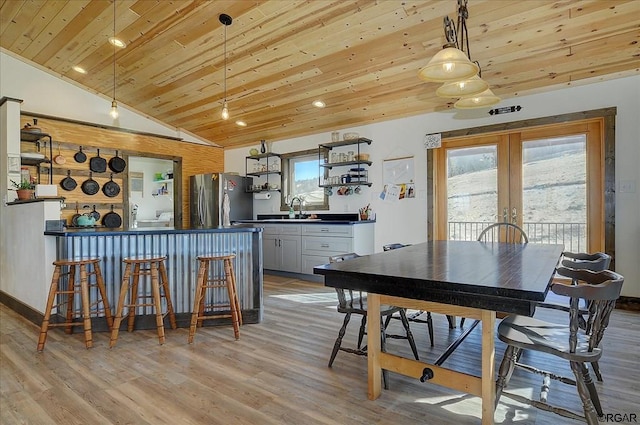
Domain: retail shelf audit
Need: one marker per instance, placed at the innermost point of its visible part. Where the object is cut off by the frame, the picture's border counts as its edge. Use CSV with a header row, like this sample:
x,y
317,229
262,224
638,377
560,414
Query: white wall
x,y
406,220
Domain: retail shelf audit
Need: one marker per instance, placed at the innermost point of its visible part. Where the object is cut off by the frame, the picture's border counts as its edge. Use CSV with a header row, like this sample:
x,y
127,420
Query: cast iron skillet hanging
x,y
68,183
117,164
95,214
112,219
90,186
75,217
80,156
111,188
97,164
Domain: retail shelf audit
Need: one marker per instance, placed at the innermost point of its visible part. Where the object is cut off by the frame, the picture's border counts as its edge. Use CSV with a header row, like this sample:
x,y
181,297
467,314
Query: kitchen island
x,y
180,246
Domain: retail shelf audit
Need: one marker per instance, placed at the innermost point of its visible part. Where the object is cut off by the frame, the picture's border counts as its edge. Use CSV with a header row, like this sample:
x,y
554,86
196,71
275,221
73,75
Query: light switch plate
x,y
627,186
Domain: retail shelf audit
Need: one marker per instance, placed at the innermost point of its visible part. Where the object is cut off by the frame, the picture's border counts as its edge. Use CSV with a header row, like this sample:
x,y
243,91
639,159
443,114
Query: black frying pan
x,y
90,186
111,188
97,164
112,219
68,183
75,217
117,164
80,156
95,214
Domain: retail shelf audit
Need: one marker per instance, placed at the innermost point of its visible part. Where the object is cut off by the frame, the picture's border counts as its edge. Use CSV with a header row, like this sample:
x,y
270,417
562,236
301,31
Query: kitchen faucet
x,y
299,202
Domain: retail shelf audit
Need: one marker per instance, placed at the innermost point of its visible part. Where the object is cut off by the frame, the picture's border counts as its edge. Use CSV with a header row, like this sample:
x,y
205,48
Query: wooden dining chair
x,y
500,232
419,316
355,302
568,342
580,261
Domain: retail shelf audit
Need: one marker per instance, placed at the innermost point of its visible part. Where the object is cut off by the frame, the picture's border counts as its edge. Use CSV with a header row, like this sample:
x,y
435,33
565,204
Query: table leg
x,y
488,372
373,346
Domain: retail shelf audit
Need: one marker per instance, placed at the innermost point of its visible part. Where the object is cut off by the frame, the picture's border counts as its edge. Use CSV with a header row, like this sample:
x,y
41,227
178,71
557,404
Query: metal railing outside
x,y
572,235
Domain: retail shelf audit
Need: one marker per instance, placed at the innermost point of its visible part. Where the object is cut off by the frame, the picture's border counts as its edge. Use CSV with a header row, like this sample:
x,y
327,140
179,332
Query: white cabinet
x,y
320,241
298,248
281,247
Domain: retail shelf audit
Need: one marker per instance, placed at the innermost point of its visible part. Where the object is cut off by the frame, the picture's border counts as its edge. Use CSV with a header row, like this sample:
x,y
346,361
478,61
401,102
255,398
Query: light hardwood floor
x,y
275,374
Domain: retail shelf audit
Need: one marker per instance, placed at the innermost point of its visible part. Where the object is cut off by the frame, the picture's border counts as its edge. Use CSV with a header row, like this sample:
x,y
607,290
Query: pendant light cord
x,y
114,50
225,62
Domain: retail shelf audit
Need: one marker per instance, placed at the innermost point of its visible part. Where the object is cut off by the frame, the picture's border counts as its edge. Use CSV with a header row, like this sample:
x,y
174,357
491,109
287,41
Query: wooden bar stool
x,y
228,281
154,267
59,288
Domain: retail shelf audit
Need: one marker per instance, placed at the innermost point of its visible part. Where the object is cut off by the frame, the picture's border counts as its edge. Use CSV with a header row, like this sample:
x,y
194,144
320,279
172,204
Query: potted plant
x,y
24,189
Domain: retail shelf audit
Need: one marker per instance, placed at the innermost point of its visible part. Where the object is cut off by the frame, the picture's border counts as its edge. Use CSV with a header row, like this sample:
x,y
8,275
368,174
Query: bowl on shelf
x,y
362,157
350,136
253,152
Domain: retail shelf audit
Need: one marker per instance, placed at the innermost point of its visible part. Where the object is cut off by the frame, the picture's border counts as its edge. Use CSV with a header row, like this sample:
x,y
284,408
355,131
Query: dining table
x,y
459,278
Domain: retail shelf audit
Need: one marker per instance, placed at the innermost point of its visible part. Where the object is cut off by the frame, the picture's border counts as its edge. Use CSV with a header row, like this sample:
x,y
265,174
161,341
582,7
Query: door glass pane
x,y
554,199
472,190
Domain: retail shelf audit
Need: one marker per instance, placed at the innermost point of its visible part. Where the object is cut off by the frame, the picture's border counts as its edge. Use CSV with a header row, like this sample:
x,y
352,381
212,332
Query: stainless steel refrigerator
x,y
207,199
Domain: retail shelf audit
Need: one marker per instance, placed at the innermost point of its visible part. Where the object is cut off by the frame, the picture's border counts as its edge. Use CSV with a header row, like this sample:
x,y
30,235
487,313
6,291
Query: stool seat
x,y
63,292
143,259
204,282
146,266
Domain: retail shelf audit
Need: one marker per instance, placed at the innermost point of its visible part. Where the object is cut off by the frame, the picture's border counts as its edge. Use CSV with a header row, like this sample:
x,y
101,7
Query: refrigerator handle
x,y
201,209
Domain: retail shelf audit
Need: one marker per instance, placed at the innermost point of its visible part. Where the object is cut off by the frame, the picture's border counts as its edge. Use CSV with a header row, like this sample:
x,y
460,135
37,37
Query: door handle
x,y
514,216
505,214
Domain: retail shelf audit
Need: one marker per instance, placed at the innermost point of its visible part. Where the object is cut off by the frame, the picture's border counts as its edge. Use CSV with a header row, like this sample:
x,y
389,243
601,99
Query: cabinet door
x,y
290,252
270,252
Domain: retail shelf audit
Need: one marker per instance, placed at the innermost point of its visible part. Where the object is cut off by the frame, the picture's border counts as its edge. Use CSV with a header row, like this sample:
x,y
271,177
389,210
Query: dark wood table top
x,y
502,277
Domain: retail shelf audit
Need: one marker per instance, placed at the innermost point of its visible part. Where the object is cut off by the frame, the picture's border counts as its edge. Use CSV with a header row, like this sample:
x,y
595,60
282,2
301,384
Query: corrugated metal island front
x,y
181,247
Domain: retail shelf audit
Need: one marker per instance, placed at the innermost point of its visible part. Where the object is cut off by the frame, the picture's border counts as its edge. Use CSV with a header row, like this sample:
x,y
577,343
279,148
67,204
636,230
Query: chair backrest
x,y
346,298
582,261
503,232
392,246
601,289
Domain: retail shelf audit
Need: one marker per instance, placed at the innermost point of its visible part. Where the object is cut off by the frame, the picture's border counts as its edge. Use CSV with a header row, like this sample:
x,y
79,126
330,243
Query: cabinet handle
x,y
275,242
324,230
324,245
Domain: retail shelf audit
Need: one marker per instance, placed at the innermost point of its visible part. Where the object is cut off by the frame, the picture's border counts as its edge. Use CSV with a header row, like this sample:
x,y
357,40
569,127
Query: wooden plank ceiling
x,y
360,57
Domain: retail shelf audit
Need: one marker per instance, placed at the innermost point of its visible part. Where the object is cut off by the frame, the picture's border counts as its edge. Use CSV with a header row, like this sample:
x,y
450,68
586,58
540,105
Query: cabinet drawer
x,y
290,229
325,245
328,229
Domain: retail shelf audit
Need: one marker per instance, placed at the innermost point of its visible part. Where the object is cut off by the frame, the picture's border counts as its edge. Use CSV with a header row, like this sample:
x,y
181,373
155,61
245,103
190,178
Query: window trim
x,y
285,161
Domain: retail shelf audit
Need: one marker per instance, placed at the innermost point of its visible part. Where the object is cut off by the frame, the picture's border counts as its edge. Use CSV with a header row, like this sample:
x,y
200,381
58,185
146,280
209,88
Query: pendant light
x,y
114,105
481,100
464,87
453,67
225,20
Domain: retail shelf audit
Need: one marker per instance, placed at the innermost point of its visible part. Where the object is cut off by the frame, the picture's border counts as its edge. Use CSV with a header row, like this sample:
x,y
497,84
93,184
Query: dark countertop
x,y
323,219
105,231
303,221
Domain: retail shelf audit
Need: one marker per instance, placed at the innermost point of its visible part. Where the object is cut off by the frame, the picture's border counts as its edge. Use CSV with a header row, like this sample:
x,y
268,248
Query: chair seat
x,y
533,334
358,308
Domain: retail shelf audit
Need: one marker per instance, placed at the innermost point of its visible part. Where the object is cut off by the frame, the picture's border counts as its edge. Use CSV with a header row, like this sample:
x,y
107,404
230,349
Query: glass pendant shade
x,y
225,111
114,109
449,64
482,100
463,88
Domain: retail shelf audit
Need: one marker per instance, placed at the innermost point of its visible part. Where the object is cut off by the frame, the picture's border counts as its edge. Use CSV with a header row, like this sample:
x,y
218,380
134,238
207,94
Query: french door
x,y
548,180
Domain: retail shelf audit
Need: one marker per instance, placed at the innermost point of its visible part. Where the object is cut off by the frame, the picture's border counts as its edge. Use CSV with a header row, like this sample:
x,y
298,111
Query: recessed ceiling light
x,y
318,104
241,123
79,69
117,42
